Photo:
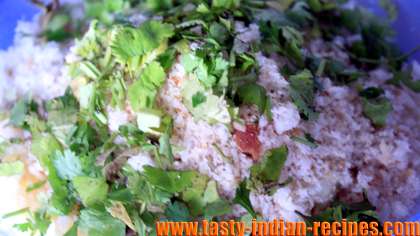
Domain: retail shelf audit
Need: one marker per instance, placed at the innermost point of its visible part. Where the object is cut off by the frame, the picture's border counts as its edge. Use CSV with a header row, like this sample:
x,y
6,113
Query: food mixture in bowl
x,y
116,114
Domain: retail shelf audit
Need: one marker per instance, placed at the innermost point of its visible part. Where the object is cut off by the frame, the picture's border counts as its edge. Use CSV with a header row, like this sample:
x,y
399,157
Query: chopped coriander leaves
x,y
302,93
306,139
178,212
170,181
92,191
198,98
356,212
253,93
270,166
375,106
100,223
142,93
128,42
67,165
242,198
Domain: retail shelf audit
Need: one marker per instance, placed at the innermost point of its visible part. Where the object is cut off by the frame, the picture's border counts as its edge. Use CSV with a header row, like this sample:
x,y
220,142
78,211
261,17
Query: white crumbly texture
x,y
285,117
352,156
140,160
116,118
30,68
245,36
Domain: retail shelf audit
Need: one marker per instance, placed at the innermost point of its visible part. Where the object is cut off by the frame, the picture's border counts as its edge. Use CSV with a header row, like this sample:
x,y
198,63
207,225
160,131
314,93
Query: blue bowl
x,y
407,25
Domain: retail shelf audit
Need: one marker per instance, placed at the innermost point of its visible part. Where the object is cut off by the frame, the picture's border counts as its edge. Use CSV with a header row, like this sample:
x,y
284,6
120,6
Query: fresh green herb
x,y
128,43
242,198
67,165
306,139
270,166
142,93
356,212
96,223
302,93
37,222
170,181
404,77
375,106
177,211
198,98
390,7
254,94
35,186
91,190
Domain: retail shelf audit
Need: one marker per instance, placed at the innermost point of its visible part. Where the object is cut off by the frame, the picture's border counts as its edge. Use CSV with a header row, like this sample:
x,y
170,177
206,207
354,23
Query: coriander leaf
x,y
306,139
390,8
375,106
97,223
35,186
37,223
242,198
301,91
253,93
167,58
195,65
158,5
103,10
89,70
193,194
72,231
11,168
130,42
211,194
170,181
67,165
18,112
377,110
189,61
142,93
141,96
117,210
357,212
198,98
217,208
86,96
177,212
89,45
218,32
227,4
269,168
144,191
405,77
165,146
91,190
43,147
153,74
